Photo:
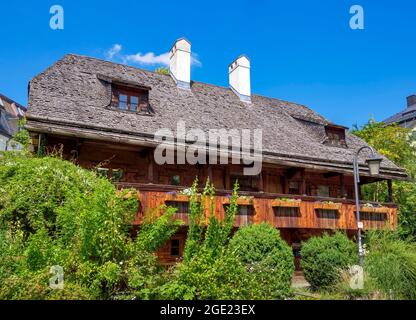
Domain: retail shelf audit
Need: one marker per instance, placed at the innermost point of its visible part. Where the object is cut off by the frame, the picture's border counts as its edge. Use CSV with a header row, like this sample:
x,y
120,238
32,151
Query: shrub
x,y
324,258
267,257
391,262
53,212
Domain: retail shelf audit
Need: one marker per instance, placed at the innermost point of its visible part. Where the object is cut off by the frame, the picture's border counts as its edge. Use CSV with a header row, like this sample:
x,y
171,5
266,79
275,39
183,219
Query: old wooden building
x,y
105,116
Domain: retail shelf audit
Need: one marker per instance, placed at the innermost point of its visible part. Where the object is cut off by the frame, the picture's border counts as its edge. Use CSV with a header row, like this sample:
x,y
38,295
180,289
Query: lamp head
x,y
374,165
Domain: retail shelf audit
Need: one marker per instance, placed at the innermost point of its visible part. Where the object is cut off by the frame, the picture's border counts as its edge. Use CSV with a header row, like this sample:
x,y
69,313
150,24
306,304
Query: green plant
x,y
162,70
52,212
391,262
267,257
324,258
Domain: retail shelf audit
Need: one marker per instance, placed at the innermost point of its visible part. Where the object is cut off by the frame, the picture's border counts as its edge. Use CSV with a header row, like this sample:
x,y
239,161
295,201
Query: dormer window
x,y
133,99
335,136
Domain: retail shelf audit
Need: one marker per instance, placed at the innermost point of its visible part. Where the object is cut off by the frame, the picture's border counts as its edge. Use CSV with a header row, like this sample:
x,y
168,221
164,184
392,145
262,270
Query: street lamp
x,y
373,164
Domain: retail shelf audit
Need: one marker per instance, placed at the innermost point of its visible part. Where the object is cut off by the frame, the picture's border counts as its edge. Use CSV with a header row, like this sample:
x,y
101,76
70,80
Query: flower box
x,y
328,206
240,201
177,197
286,203
374,209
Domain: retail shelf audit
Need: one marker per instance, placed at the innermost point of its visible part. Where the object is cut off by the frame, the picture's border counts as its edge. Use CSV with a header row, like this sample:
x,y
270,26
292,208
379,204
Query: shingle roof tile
x,y
70,92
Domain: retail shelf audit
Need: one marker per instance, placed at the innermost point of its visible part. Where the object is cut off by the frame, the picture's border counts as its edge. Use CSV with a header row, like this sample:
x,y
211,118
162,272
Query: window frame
x,y
142,95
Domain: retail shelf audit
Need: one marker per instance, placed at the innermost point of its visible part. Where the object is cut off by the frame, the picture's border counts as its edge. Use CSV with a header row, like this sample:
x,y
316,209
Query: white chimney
x,y
180,63
239,73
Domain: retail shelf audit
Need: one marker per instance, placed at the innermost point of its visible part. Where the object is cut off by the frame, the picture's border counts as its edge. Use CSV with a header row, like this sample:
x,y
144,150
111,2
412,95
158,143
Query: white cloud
x,y
148,58
110,53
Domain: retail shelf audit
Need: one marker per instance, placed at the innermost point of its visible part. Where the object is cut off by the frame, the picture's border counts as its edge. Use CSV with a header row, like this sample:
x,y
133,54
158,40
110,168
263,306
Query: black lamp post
x,y
373,164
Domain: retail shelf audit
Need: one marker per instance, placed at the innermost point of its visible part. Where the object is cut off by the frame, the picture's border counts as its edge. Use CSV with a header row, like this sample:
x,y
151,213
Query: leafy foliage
x,y
162,70
324,258
267,256
391,262
398,145
212,269
391,140
22,136
55,213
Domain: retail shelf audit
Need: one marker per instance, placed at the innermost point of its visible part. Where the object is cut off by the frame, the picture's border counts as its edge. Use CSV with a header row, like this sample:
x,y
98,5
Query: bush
x,y
391,263
53,212
266,256
324,258
205,277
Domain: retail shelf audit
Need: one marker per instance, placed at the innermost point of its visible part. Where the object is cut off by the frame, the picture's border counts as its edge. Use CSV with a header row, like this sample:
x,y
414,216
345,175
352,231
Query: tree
x,y
162,70
397,144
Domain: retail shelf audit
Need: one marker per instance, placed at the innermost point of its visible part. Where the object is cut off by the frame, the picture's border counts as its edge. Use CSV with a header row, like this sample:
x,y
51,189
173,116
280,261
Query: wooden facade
x,y
299,202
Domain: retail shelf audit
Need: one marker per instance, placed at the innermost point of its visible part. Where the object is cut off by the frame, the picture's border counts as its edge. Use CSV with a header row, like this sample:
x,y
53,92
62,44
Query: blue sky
x,y
301,51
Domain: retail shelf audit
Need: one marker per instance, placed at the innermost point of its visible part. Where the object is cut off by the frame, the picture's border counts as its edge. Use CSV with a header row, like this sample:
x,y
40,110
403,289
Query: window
x,y
372,216
115,175
327,214
294,187
134,103
175,247
287,212
175,180
243,210
335,136
132,99
122,102
323,191
246,183
102,172
183,207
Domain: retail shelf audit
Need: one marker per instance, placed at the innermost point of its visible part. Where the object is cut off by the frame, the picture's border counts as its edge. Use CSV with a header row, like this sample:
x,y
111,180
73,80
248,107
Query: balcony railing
x,y
281,210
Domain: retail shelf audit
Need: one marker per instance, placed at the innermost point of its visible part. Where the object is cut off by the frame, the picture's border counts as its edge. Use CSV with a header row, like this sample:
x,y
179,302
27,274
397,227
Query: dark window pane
x,y
327,214
122,102
102,172
174,247
183,207
243,210
117,175
134,102
175,180
286,212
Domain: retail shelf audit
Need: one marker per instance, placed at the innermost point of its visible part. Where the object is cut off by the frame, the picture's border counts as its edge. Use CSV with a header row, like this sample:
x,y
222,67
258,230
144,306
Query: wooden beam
x,y
390,190
285,182
261,182
150,169
210,176
328,175
303,183
227,180
342,184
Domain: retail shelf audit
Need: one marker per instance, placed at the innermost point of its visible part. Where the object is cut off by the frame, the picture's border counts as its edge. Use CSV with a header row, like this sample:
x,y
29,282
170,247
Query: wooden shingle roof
x,y
72,97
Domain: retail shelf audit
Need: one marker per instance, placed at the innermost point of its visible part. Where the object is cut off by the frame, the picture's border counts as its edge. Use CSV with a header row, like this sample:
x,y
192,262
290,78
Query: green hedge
x,y
268,258
323,258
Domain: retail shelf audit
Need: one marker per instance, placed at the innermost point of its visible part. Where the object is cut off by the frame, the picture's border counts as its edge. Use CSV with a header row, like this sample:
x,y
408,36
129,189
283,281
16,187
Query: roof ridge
x,y
192,81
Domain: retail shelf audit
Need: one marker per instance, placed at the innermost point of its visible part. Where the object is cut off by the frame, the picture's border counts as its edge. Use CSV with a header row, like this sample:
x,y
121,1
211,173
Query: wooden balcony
x,y
281,210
